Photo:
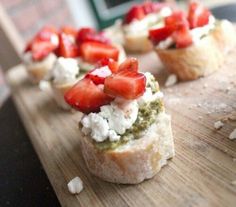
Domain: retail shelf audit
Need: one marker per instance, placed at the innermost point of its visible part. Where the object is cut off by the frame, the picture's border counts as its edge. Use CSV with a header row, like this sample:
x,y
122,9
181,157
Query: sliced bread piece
x,y
135,161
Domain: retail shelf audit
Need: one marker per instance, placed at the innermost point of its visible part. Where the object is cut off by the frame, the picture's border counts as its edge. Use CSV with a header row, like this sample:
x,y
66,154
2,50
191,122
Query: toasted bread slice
x,y
135,161
38,70
200,59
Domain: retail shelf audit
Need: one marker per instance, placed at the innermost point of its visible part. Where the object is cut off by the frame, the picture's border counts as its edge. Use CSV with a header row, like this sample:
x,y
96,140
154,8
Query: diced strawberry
x,y
198,15
159,34
130,64
176,18
41,49
126,84
113,65
94,51
182,37
69,31
136,12
67,46
46,34
90,35
86,96
98,75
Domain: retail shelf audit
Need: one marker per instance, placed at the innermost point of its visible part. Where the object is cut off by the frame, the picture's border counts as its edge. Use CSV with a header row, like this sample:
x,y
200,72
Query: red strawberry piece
x,y
40,50
67,46
126,84
160,34
176,18
130,64
69,31
136,12
182,37
198,15
87,97
95,51
113,65
98,75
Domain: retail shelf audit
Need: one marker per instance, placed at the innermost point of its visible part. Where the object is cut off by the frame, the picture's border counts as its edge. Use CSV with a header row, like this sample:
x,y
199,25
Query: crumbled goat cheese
x,y
112,121
171,80
48,60
218,124
75,186
64,70
232,135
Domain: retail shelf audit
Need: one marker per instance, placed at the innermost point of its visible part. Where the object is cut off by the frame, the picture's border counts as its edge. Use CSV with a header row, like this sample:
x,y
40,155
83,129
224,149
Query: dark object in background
x,y
225,12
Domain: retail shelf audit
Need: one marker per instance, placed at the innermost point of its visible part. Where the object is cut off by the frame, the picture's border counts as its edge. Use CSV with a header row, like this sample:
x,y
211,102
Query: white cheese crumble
x,y
112,121
218,124
64,71
142,26
233,134
75,186
171,80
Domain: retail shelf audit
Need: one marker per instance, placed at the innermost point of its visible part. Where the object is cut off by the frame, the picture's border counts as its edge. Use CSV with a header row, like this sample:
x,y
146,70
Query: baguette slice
x,y
136,160
137,43
38,70
200,59
225,35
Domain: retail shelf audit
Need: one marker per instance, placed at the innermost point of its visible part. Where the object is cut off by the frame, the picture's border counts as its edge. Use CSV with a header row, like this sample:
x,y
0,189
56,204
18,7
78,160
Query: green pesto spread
x,y
146,117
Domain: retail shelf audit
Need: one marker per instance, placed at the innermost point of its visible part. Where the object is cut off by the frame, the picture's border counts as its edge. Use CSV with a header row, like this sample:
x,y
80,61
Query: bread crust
x,y
38,70
135,161
200,59
137,43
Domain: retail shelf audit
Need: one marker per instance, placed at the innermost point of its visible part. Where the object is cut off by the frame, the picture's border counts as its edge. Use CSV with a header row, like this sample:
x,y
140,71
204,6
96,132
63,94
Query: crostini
x,y
39,54
126,135
193,45
138,20
86,45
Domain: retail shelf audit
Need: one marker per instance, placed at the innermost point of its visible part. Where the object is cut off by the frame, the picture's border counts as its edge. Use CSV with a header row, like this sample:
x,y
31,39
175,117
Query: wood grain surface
x,y
201,173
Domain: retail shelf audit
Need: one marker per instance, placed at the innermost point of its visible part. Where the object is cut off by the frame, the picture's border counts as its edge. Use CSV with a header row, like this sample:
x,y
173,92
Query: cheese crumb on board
x,y
218,124
75,186
171,80
233,134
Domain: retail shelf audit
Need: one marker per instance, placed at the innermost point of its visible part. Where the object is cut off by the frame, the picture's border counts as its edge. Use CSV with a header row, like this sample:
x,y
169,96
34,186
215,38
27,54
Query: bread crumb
x,y
218,124
75,186
234,159
171,80
233,134
233,182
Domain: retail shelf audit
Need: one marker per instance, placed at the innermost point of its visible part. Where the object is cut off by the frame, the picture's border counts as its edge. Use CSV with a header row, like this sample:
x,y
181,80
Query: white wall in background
x,y
82,13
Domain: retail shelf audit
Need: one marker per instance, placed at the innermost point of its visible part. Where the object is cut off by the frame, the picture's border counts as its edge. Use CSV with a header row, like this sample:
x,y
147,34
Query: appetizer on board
x,y
86,45
133,31
39,55
126,135
193,44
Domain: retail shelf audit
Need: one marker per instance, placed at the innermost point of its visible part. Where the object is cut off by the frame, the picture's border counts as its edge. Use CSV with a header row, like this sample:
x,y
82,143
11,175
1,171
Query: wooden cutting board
x,y
201,173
